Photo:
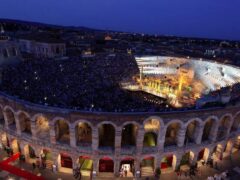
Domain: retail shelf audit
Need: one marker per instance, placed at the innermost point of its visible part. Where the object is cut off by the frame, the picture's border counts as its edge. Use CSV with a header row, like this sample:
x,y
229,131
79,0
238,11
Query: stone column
x,y
158,160
95,138
5,120
95,167
213,133
229,152
52,134
18,126
178,161
181,136
140,138
72,137
199,133
116,167
137,163
228,131
34,130
118,137
55,156
161,139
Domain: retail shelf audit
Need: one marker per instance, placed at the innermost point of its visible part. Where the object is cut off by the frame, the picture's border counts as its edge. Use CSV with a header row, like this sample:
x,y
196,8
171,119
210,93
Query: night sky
x,y
194,18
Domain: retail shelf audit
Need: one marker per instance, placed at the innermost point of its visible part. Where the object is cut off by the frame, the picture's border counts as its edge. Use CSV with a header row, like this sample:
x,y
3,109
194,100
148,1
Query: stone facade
x,y
226,120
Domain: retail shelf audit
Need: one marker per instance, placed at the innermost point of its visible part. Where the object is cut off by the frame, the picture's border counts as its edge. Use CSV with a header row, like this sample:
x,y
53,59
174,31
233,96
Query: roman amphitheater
x,y
102,143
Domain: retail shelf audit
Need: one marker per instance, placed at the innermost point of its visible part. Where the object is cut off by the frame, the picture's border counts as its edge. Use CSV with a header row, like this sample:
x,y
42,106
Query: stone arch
x,y
106,164
210,126
236,123
29,153
47,157
86,165
129,134
5,140
217,152
127,165
15,146
203,155
236,145
193,128
187,158
150,139
153,123
65,163
168,161
10,117
107,122
42,126
55,119
147,165
228,147
106,134
172,130
83,130
62,131
224,126
24,122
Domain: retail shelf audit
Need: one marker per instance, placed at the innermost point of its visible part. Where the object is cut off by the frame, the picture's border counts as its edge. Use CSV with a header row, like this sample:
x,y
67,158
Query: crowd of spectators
x,y
80,83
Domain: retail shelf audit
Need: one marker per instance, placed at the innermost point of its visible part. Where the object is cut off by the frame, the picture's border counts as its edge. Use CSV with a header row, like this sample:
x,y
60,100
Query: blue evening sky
x,y
198,18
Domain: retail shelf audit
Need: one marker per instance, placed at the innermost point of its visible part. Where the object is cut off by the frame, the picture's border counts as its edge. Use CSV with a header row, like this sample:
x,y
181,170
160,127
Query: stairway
x,y
49,164
86,173
147,171
106,175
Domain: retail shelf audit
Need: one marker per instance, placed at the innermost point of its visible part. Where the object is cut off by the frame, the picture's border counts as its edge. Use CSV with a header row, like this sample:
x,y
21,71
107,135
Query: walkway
x,y
205,171
6,166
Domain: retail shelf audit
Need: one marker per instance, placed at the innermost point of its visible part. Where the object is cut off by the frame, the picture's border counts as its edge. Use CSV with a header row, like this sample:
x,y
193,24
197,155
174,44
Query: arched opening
x,y
152,125
14,51
127,168
147,166
57,50
186,161
217,152
29,153
150,139
236,145
25,123
85,164
5,53
228,148
5,140
15,146
203,156
62,132
106,164
106,133
168,163
42,128
65,163
129,135
223,127
192,132
208,127
46,158
83,134
10,119
236,124
171,134
2,122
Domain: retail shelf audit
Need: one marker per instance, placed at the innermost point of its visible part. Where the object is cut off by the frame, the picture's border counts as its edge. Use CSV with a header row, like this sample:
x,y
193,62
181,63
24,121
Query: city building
x,y
9,50
42,45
